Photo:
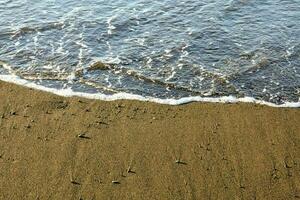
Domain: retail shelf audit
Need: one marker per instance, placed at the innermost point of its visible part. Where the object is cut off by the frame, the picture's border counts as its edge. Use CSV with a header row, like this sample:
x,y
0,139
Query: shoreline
x,y
126,96
54,147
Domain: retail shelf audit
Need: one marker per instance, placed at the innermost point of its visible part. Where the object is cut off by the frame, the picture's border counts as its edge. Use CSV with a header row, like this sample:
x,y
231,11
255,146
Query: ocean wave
x,y
165,49
68,92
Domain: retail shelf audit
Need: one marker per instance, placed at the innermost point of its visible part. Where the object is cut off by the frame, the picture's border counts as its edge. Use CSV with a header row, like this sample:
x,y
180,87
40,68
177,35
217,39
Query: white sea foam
x,y
68,92
110,27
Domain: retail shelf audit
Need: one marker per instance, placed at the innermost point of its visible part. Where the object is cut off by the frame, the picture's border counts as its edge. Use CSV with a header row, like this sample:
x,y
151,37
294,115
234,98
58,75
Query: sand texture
x,y
53,147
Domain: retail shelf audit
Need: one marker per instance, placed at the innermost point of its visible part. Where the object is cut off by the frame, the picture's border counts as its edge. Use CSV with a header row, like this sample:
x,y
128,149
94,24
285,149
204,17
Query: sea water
x,y
167,51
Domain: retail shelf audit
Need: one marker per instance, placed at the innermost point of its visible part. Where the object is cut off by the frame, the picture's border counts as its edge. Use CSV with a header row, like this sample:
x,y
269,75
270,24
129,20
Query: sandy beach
x,y
53,147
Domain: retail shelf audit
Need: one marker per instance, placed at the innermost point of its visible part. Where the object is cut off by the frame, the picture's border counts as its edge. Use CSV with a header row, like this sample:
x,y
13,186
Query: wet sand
x,y
53,147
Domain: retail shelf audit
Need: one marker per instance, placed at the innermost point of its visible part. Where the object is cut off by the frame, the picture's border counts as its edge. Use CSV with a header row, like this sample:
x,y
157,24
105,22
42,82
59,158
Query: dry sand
x,y
151,151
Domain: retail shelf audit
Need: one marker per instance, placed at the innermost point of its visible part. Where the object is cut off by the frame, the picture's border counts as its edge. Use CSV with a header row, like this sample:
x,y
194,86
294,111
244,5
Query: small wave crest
x,y
116,70
68,92
31,30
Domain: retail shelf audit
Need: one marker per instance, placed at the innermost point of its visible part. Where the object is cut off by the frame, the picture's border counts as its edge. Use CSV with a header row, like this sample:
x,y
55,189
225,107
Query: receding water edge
x,y
126,96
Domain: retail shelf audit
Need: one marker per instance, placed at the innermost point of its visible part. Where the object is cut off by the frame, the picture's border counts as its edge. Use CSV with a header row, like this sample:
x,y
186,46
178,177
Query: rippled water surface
x,y
162,49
